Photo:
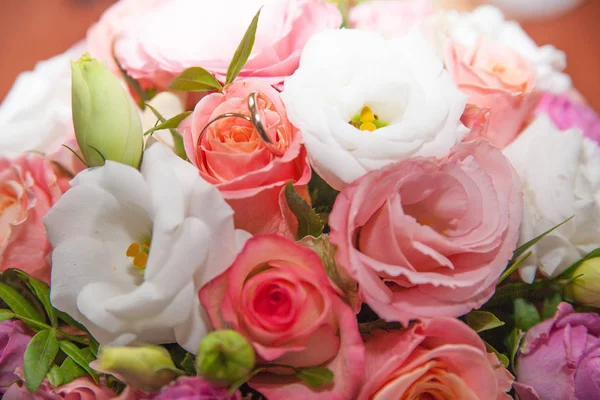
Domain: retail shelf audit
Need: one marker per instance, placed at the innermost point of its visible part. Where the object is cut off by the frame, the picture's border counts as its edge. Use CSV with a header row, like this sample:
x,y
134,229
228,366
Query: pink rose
x,y
565,113
497,78
14,338
231,155
79,389
477,120
29,186
439,359
163,41
560,358
391,18
427,238
101,35
279,297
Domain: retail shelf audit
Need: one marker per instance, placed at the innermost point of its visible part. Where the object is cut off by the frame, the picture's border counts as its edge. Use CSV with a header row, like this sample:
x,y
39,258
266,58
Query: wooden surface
x,y
32,30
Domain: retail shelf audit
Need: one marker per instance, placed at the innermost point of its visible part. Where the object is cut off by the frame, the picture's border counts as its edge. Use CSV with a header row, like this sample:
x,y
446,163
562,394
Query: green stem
x,y
367,327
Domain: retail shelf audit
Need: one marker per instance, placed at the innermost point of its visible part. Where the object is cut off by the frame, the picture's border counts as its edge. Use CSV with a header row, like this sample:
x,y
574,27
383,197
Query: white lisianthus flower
x,y
132,249
488,22
36,114
362,102
560,172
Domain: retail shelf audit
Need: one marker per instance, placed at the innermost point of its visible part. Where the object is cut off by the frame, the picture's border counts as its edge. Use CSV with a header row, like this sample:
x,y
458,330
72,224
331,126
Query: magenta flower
x,y
566,114
14,338
560,358
194,388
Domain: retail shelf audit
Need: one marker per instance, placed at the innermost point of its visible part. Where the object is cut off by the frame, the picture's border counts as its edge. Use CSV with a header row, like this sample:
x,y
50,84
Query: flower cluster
x,y
283,199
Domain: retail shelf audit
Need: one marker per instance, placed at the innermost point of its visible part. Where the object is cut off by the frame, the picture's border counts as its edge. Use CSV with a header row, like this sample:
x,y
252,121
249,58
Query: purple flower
x,y
194,388
566,114
14,338
560,358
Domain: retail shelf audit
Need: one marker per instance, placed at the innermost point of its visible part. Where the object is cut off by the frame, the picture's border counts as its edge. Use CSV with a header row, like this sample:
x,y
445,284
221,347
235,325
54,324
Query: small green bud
x,y
106,120
585,288
147,368
224,357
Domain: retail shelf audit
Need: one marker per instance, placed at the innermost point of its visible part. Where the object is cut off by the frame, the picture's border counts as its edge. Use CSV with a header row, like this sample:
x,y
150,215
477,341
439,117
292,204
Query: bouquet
x,y
299,199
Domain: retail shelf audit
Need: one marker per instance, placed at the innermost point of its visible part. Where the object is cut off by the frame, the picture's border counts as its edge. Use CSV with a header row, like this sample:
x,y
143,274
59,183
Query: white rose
x,y
114,213
400,80
560,172
489,22
36,114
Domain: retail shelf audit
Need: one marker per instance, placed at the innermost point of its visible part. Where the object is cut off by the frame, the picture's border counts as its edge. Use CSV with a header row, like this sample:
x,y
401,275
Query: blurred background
x,y
33,30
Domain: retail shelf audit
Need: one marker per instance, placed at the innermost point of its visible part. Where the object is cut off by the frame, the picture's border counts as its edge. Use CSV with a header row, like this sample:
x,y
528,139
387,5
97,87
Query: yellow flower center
x,y
139,253
366,120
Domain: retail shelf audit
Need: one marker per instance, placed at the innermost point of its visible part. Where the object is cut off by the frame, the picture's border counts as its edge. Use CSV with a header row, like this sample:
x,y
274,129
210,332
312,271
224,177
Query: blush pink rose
x,y
231,155
477,120
163,41
29,186
279,297
497,78
391,18
79,389
429,238
438,359
114,20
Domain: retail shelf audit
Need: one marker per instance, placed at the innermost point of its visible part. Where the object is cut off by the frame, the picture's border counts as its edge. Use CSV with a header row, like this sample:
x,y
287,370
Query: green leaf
x,y
18,304
512,342
322,195
315,376
6,314
35,325
55,376
39,356
171,123
551,305
177,138
76,354
513,267
66,318
526,315
71,371
94,346
503,359
482,321
236,384
195,79
243,51
188,364
309,222
42,292
523,248
88,354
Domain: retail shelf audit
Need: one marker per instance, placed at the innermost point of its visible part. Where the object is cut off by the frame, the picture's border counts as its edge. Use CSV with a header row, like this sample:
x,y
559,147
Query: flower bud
x,y
147,368
106,120
585,288
224,357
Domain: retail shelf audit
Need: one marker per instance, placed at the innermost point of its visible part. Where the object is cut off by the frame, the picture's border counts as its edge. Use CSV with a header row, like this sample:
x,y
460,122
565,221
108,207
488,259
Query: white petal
x,y
184,253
